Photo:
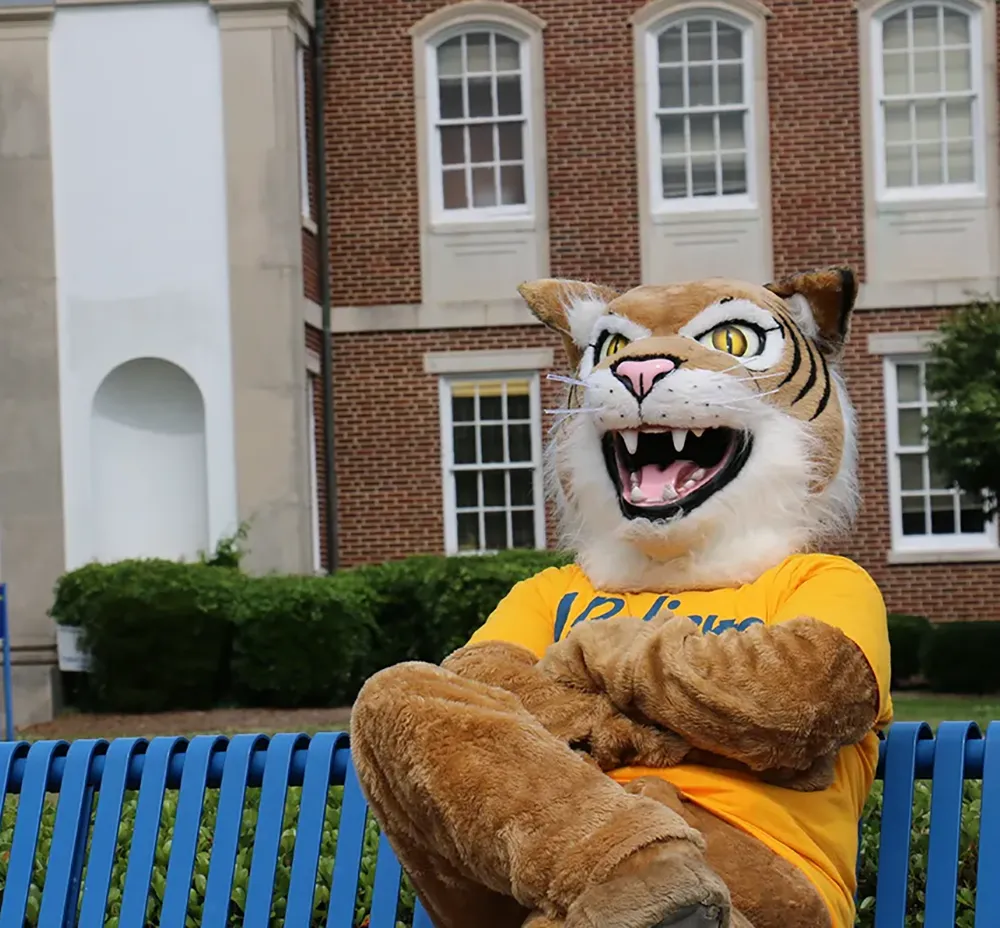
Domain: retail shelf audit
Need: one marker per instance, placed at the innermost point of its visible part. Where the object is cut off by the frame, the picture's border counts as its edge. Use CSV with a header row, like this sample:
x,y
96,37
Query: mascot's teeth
x,y
697,432
631,439
690,484
698,474
669,494
637,495
680,437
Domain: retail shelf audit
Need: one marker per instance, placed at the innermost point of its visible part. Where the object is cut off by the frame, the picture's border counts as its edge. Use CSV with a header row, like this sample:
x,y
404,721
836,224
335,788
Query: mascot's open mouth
x,y
661,472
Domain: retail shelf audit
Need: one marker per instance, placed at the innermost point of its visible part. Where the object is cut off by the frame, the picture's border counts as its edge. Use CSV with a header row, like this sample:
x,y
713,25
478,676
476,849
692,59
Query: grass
x,y
932,708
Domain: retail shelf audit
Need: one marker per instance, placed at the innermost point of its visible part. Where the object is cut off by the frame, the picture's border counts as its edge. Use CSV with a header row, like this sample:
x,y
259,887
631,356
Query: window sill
x,y
466,225
936,203
970,556
719,213
309,224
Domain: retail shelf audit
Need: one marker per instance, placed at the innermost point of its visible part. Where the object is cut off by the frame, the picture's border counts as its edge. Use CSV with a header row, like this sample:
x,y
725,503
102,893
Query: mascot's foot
x,y
665,885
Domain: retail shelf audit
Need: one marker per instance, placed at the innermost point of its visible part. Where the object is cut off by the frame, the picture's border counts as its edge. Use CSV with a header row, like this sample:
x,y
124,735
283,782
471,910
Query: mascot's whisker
x,y
562,378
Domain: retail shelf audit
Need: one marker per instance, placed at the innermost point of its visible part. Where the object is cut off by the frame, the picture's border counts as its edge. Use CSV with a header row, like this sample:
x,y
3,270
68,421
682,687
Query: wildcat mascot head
x,y
708,434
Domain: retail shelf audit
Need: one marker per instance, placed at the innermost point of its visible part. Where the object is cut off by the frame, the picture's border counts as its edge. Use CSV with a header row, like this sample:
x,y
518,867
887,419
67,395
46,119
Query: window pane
x,y
508,54
943,515
484,191
450,99
511,141
671,87
896,73
466,489
897,122
496,530
911,428
927,71
959,119
961,167
481,144
700,85
927,121
449,57
453,184
898,166
734,174
731,131
894,31
730,42
674,178
464,440
463,408
452,145
522,487
491,408
908,383
700,40
730,83
468,531
480,97
672,135
509,96
956,28
512,185
702,132
519,440
518,405
938,480
494,488
926,29
957,70
523,528
911,472
703,177
478,52
914,517
930,169
670,46
492,438
972,514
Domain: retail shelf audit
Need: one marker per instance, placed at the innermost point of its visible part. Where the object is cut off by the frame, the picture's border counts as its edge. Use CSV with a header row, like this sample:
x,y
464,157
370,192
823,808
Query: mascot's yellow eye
x,y
741,341
612,344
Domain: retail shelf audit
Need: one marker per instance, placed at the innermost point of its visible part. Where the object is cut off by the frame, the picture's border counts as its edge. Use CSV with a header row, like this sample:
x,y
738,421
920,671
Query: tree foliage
x,y
963,428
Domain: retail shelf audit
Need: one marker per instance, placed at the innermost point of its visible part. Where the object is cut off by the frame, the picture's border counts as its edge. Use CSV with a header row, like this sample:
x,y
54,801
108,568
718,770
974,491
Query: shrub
x,y
960,657
907,637
303,641
159,632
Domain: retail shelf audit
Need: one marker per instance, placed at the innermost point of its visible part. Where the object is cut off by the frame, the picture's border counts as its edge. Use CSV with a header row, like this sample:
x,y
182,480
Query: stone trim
x,y
483,362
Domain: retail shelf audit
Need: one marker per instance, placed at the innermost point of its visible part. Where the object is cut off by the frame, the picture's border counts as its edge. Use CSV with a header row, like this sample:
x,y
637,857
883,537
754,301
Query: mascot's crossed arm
x,y
680,728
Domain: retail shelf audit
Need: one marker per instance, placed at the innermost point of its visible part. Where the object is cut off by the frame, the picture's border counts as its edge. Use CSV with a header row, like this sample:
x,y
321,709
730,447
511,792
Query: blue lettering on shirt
x,y
606,607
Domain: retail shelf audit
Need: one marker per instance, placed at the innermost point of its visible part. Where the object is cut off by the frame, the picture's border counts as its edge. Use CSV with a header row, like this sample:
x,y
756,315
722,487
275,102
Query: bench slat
x,y
146,830
388,875
29,820
267,836
228,823
69,835
946,820
103,843
347,857
309,828
420,917
988,876
897,817
187,826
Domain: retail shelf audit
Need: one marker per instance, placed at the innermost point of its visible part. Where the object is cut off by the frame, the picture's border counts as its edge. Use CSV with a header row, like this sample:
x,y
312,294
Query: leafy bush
x,y
907,638
159,633
960,657
303,641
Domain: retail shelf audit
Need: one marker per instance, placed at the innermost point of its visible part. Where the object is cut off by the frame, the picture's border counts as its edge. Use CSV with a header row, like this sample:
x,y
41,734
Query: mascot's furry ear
x,y
823,300
570,307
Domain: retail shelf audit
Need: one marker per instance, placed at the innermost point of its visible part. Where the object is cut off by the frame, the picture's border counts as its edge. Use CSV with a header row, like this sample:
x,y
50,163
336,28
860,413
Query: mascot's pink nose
x,y
641,375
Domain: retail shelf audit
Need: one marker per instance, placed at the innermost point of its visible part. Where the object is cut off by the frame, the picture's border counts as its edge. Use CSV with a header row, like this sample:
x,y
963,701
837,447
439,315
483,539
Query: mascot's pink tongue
x,y
652,481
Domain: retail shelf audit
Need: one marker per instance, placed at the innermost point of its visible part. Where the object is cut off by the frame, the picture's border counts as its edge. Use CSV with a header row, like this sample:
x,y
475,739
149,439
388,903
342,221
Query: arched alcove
x,y
148,463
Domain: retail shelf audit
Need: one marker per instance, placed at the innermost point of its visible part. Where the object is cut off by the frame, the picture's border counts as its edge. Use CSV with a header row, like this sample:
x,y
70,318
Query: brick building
x,y
473,145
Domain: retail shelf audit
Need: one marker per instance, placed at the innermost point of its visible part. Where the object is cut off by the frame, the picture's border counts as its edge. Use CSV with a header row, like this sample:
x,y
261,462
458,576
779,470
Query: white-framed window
x,y
928,86
301,62
491,452
478,102
313,472
701,121
928,514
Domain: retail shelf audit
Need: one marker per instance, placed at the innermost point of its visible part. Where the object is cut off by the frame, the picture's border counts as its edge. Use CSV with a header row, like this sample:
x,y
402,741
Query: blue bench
x,y
93,780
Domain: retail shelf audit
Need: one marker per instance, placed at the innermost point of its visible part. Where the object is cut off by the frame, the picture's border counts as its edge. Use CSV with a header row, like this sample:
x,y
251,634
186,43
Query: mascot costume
x,y
681,728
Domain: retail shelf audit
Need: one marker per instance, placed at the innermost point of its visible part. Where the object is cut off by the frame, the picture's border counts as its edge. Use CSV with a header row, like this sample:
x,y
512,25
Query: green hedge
x,y
960,657
164,635
907,638
866,888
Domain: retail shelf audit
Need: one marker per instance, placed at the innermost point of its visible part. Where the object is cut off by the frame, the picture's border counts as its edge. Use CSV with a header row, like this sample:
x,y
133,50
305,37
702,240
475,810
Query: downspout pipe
x,y
326,364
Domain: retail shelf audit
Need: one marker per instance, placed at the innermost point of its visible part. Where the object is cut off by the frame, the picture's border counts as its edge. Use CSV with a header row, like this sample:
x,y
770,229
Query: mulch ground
x,y
223,721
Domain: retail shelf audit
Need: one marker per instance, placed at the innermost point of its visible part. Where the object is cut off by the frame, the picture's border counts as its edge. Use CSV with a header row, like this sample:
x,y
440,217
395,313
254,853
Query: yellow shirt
x,y
817,832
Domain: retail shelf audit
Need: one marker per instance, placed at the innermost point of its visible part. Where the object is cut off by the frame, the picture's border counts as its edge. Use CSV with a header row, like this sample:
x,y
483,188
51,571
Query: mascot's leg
x,y
766,888
494,818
